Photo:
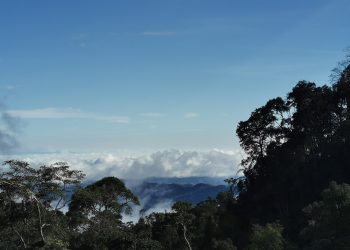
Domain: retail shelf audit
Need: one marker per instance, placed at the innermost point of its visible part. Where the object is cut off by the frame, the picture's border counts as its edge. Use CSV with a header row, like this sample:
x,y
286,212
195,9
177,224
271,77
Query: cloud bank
x,y
169,163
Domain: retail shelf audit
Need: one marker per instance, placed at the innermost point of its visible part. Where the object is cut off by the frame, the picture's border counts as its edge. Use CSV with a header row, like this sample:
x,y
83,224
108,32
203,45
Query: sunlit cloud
x,y
168,163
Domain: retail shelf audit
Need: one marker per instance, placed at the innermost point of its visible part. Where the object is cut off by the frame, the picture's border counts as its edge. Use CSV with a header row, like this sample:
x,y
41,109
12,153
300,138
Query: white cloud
x,y
67,113
159,33
161,207
171,163
191,115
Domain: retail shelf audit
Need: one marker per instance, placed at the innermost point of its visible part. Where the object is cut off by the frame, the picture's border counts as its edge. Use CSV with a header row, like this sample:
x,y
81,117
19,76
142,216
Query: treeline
x,y
294,194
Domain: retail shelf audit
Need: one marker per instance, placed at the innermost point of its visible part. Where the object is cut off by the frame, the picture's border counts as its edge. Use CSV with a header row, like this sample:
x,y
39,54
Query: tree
x,y
295,146
140,236
30,203
329,219
268,237
95,213
267,126
164,229
183,217
222,245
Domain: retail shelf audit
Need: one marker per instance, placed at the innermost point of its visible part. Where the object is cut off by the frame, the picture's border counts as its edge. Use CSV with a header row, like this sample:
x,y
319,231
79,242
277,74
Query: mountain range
x,y
158,190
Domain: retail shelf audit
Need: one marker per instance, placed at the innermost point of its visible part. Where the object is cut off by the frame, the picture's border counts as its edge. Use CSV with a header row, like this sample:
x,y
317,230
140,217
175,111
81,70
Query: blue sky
x,y
147,75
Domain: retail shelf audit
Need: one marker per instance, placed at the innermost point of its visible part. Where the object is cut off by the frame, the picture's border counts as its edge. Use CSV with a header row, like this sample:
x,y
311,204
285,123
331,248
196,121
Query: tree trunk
x,y
185,237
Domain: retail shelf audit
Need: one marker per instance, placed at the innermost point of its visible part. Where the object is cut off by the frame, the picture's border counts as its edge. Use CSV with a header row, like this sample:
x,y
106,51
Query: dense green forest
x,y
294,194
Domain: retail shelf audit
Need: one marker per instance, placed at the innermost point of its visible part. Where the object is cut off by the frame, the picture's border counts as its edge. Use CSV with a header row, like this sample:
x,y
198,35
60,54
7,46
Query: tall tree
x,y
30,203
295,147
95,213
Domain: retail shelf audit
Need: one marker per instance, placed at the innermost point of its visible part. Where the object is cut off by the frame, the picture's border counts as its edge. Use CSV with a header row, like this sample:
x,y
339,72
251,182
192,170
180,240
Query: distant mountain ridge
x,y
188,180
157,190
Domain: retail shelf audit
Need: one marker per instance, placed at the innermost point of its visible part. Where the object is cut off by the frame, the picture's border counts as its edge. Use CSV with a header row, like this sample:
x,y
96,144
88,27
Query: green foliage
x,y
30,203
164,229
222,245
95,214
182,212
268,237
107,194
329,219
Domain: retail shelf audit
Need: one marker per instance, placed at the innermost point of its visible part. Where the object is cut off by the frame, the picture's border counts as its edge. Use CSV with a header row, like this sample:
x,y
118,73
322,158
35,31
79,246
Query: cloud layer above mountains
x,y
172,163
